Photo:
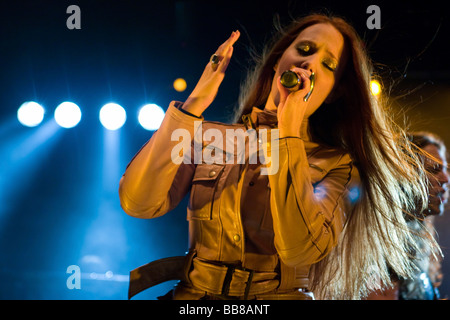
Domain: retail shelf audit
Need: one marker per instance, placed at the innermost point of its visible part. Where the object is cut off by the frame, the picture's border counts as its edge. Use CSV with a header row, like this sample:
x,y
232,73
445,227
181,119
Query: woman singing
x,y
329,218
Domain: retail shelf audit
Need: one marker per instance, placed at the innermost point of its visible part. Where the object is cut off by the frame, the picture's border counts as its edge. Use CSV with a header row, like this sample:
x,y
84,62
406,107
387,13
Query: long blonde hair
x,y
376,240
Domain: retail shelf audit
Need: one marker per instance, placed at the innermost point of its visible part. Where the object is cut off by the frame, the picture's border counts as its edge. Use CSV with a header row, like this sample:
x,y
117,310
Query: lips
x,y
441,196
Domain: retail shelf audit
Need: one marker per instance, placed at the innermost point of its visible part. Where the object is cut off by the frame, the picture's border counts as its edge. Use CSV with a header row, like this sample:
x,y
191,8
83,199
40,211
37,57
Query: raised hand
x,y
207,87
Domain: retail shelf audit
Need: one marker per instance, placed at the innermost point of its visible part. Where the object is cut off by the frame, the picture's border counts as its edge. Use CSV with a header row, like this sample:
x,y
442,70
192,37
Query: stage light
x,y
150,116
375,87
30,114
67,115
179,85
112,116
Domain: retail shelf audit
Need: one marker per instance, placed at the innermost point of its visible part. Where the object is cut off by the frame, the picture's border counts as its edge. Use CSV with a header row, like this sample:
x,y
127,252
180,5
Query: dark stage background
x,y
59,204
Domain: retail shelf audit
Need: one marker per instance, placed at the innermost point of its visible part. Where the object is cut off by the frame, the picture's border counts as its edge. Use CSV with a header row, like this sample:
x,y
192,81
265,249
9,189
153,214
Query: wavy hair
x,y
376,237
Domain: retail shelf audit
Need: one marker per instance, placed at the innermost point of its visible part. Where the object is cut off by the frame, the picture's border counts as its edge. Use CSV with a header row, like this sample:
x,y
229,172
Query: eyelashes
x,y
331,65
306,50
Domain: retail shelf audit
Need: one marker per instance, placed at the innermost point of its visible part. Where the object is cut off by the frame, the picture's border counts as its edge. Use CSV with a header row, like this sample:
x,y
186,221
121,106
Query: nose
x,y
309,69
443,178
446,178
305,65
309,64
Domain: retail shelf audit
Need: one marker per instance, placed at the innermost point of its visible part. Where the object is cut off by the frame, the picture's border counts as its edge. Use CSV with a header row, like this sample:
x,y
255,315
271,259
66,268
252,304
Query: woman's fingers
x,y
206,89
284,92
225,50
292,106
305,78
224,64
303,89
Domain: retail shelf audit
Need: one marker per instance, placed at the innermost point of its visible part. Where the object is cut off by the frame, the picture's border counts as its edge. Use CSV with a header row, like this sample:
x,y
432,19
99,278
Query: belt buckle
x,y
227,280
229,277
249,283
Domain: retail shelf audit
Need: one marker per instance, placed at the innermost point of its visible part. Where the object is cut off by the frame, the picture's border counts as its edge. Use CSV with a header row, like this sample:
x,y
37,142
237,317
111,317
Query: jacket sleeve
x,y
307,219
153,182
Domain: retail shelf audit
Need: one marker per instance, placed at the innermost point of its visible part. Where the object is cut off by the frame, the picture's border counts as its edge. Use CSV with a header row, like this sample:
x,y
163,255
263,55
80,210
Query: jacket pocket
x,y
203,191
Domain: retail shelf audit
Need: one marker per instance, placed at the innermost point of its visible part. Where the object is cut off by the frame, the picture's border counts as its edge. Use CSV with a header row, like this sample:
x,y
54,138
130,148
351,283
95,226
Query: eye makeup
x,y
330,64
306,48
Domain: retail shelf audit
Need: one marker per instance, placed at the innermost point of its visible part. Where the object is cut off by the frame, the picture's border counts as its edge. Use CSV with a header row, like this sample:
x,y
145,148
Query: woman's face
x,y
318,49
438,179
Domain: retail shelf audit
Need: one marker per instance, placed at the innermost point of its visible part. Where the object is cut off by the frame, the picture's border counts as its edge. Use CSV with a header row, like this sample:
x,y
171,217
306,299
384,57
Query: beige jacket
x,y
272,226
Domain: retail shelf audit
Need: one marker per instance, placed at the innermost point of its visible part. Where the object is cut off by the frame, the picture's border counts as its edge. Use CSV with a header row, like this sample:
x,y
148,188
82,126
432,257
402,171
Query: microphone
x,y
292,81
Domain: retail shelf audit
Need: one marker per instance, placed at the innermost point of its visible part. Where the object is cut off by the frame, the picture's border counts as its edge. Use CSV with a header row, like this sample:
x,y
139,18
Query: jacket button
x,y
212,173
236,237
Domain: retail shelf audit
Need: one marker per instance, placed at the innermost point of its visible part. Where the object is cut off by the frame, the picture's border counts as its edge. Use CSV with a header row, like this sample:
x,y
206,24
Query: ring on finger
x,y
214,59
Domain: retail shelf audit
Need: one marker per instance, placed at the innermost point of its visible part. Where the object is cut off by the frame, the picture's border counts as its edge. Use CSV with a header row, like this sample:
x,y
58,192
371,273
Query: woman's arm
x,y
307,220
153,183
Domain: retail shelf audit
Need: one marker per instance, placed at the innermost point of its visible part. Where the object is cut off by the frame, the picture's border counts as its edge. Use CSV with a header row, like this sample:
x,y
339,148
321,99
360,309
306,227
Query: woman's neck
x,y
270,105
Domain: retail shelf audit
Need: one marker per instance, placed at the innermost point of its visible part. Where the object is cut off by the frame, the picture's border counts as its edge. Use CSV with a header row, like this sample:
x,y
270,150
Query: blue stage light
x,y
150,116
112,116
67,115
30,114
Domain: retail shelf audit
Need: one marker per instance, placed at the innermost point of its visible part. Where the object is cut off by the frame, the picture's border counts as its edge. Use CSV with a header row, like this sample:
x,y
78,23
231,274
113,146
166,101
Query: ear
x,y
275,67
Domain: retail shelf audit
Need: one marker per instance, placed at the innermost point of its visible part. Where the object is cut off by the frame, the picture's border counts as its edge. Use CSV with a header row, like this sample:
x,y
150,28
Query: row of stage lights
x,y
112,116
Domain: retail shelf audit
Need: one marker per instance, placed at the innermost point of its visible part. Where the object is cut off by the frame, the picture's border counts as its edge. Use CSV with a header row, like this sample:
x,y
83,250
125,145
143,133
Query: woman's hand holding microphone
x,y
295,87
